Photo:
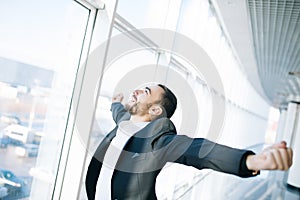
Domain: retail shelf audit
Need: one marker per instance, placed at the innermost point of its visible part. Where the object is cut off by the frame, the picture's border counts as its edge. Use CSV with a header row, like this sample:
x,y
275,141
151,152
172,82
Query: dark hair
x,y
168,101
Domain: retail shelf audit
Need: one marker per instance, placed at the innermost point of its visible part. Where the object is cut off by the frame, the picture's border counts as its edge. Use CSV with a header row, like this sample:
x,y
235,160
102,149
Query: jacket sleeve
x,y
119,113
202,153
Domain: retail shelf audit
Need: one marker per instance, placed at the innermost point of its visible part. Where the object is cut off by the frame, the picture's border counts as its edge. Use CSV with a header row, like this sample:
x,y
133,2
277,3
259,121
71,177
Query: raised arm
x,y
117,109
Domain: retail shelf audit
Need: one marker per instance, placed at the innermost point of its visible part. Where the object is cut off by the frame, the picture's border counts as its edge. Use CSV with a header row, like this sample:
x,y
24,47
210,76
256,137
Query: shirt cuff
x,y
244,171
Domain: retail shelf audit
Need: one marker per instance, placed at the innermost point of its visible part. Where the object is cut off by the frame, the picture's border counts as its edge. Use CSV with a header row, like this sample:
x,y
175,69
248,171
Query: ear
x,y
155,110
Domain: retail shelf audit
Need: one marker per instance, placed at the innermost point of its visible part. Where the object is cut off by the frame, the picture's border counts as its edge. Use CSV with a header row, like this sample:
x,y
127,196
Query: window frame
x,y
74,154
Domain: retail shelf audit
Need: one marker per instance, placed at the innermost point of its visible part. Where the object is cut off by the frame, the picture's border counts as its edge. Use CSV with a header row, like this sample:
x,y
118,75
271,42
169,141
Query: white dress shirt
x,y
125,131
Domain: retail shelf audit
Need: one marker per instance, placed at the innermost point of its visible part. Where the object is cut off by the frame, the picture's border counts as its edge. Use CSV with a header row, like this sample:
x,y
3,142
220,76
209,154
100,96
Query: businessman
x,y
128,160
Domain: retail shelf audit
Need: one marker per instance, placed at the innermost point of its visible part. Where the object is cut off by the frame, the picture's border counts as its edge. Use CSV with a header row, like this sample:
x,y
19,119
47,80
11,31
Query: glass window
x,y
41,43
147,13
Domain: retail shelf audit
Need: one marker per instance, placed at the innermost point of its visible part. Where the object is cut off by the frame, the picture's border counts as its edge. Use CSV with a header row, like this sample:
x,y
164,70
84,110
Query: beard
x,y
137,108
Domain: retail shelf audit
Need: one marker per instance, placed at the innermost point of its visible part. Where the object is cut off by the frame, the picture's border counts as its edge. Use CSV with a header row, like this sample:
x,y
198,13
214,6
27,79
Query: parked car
x,y
19,134
14,184
8,119
27,150
3,191
4,139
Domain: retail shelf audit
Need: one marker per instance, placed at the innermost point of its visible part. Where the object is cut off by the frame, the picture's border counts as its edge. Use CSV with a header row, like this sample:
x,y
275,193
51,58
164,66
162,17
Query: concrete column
x,y
291,135
281,125
280,176
290,123
293,178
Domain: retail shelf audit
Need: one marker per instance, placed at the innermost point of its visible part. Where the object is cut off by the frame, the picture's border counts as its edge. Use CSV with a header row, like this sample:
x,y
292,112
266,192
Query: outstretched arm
x,y
202,153
275,157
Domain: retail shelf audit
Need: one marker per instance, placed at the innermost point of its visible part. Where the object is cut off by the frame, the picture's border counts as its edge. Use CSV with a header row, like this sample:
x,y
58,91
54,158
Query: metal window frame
x,y
71,167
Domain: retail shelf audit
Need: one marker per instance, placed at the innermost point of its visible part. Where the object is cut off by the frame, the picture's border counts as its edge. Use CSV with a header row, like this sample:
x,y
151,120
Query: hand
x,y
275,157
117,98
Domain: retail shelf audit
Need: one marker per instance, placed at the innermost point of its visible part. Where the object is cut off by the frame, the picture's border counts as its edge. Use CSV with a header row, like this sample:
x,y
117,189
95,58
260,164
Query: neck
x,y
137,118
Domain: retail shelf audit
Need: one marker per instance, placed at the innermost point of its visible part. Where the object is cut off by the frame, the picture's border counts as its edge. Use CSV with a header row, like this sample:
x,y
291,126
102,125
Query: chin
x,y
130,106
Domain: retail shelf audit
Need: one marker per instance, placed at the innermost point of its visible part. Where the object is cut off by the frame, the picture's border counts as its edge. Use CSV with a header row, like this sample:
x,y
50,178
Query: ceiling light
x,y
295,73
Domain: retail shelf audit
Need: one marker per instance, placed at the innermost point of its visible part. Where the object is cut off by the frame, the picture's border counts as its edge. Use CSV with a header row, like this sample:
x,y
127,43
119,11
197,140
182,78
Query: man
x,y
130,157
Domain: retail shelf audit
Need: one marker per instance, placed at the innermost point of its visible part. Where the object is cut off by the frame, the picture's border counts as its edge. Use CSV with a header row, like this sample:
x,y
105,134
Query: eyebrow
x,y
147,88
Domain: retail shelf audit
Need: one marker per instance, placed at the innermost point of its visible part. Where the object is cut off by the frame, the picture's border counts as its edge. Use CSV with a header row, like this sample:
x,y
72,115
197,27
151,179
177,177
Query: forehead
x,y
155,89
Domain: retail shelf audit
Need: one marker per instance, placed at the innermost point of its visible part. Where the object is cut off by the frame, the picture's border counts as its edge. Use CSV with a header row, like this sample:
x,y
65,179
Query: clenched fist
x,y
117,98
275,157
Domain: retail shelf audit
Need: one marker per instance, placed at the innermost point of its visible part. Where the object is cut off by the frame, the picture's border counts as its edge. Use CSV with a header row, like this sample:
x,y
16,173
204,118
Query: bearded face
x,y
137,108
140,100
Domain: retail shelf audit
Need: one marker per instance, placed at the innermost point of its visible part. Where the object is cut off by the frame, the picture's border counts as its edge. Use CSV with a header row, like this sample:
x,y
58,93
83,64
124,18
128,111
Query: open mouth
x,y
132,98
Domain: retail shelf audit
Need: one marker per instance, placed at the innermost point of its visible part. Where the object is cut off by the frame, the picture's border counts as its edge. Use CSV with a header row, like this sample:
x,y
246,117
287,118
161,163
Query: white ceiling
x,y
265,37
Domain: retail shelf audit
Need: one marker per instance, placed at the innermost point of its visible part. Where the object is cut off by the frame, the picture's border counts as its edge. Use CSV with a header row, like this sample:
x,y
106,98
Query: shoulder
x,y
158,127
164,124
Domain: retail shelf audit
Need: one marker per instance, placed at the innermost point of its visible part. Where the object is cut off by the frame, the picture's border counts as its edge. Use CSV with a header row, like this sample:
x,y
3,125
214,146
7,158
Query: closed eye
x,y
148,90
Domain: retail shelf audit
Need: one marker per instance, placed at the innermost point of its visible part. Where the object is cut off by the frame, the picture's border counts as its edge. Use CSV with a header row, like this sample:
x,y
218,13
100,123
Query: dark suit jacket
x,y
148,151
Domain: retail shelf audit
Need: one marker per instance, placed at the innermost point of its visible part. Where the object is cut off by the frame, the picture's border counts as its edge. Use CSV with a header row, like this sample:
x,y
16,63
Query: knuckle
x,y
274,165
281,167
275,151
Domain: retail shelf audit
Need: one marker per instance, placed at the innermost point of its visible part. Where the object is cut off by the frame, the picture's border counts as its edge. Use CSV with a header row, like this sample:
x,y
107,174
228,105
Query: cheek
x,y
144,107
144,100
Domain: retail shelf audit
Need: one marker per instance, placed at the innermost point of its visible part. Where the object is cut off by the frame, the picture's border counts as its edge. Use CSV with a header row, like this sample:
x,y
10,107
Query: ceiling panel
x,y
264,35
275,31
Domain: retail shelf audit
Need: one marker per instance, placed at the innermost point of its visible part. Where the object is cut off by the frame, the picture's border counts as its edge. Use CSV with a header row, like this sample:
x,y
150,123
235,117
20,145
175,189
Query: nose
x,y
137,92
